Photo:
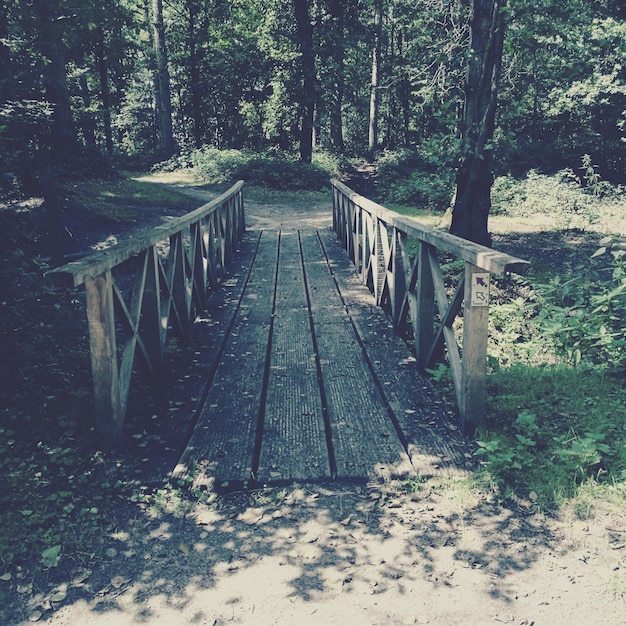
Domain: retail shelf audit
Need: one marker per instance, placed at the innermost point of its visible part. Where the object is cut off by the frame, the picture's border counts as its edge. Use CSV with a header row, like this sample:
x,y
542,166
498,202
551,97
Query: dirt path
x,y
350,554
437,553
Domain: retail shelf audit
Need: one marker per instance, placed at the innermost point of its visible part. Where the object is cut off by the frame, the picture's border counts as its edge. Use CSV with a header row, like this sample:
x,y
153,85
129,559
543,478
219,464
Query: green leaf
x,y
598,252
51,556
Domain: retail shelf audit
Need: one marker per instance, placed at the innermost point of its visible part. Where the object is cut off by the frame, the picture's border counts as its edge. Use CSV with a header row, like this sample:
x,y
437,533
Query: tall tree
x,y
337,9
162,96
49,23
470,213
304,29
105,90
372,143
195,86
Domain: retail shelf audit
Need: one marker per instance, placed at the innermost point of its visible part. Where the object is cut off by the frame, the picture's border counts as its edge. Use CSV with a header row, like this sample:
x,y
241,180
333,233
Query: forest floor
x,y
134,550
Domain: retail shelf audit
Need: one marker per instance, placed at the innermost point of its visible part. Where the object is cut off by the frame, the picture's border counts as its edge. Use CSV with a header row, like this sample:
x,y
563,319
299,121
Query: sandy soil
x,y
350,554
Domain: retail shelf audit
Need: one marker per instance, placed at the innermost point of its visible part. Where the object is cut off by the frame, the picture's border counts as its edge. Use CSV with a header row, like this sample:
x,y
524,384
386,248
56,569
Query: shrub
x,y
584,312
552,429
219,166
405,177
276,172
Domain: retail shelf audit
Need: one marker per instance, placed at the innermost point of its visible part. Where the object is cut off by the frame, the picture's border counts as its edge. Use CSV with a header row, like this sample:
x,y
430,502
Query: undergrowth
x,y
273,171
556,405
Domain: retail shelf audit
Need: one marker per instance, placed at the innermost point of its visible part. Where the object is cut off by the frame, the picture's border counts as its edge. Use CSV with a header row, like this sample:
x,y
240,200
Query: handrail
x,y
409,285
174,266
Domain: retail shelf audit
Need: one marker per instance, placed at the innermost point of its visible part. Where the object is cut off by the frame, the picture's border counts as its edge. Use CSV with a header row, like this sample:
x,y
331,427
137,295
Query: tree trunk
x,y
470,213
337,11
7,80
194,74
307,56
50,45
105,91
404,93
162,95
60,145
372,142
87,122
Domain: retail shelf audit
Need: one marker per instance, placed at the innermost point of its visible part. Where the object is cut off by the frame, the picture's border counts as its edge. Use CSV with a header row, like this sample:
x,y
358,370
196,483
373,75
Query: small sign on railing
x,y
480,289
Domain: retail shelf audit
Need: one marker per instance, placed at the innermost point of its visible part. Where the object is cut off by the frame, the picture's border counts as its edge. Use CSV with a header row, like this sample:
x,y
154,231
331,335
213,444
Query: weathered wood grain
x,y
221,449
405,284
312,383
294,445
365,441
434,443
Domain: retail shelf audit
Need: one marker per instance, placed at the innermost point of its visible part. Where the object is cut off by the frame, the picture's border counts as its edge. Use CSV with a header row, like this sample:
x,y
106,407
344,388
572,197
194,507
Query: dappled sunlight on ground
x,y
348,554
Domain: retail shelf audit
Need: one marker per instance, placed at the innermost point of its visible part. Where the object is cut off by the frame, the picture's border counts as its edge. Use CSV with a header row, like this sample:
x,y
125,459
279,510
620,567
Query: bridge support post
x,y
109,415
424,322
474,362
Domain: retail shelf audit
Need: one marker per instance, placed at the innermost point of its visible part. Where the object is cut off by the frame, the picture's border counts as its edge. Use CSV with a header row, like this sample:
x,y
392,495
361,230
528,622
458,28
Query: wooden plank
x,y
109,415
424,313
433,441
207,342
364,439
221,449
294,439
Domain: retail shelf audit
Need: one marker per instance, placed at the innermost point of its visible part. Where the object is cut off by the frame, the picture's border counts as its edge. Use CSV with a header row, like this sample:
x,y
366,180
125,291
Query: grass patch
x,y
123,200
551,430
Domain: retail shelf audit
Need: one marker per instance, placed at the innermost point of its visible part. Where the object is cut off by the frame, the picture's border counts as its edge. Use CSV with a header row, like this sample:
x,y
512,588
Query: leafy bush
x,y
575,201
276,172
406,177
219,166
552,428
562,196
584,312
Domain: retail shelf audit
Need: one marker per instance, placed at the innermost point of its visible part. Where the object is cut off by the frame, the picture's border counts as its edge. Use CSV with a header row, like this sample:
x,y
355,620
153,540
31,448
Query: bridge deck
x,y
308,380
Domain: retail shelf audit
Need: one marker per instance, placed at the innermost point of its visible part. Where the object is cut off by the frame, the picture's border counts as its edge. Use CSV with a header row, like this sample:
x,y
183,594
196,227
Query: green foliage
x,y
563,88
562,196
552,429
583,313
406,177
275,172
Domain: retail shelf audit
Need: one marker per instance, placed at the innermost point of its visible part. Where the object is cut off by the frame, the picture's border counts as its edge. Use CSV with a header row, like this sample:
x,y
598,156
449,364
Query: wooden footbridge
x,y
312,378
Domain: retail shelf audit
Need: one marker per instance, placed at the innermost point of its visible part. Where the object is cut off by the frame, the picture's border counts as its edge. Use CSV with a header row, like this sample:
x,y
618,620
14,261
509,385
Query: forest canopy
x,y
141,81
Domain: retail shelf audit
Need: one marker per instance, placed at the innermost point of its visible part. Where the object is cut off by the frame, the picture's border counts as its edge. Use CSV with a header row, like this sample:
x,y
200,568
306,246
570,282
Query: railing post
x,y
474,361
109,415
424,322
398,278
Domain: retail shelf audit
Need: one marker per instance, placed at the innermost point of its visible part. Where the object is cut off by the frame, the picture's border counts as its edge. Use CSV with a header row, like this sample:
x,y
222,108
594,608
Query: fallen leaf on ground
x,y
118,581
251,516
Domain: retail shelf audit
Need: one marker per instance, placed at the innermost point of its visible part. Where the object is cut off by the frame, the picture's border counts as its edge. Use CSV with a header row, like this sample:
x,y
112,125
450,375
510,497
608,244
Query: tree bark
x,y
50,45
337,11
470,213
87,122
194,74
105,91
307,99
162,95
7,80
372,142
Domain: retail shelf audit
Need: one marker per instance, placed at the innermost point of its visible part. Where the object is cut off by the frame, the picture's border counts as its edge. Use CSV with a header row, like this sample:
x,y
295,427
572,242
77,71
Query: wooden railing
x,y
399,260
167,273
